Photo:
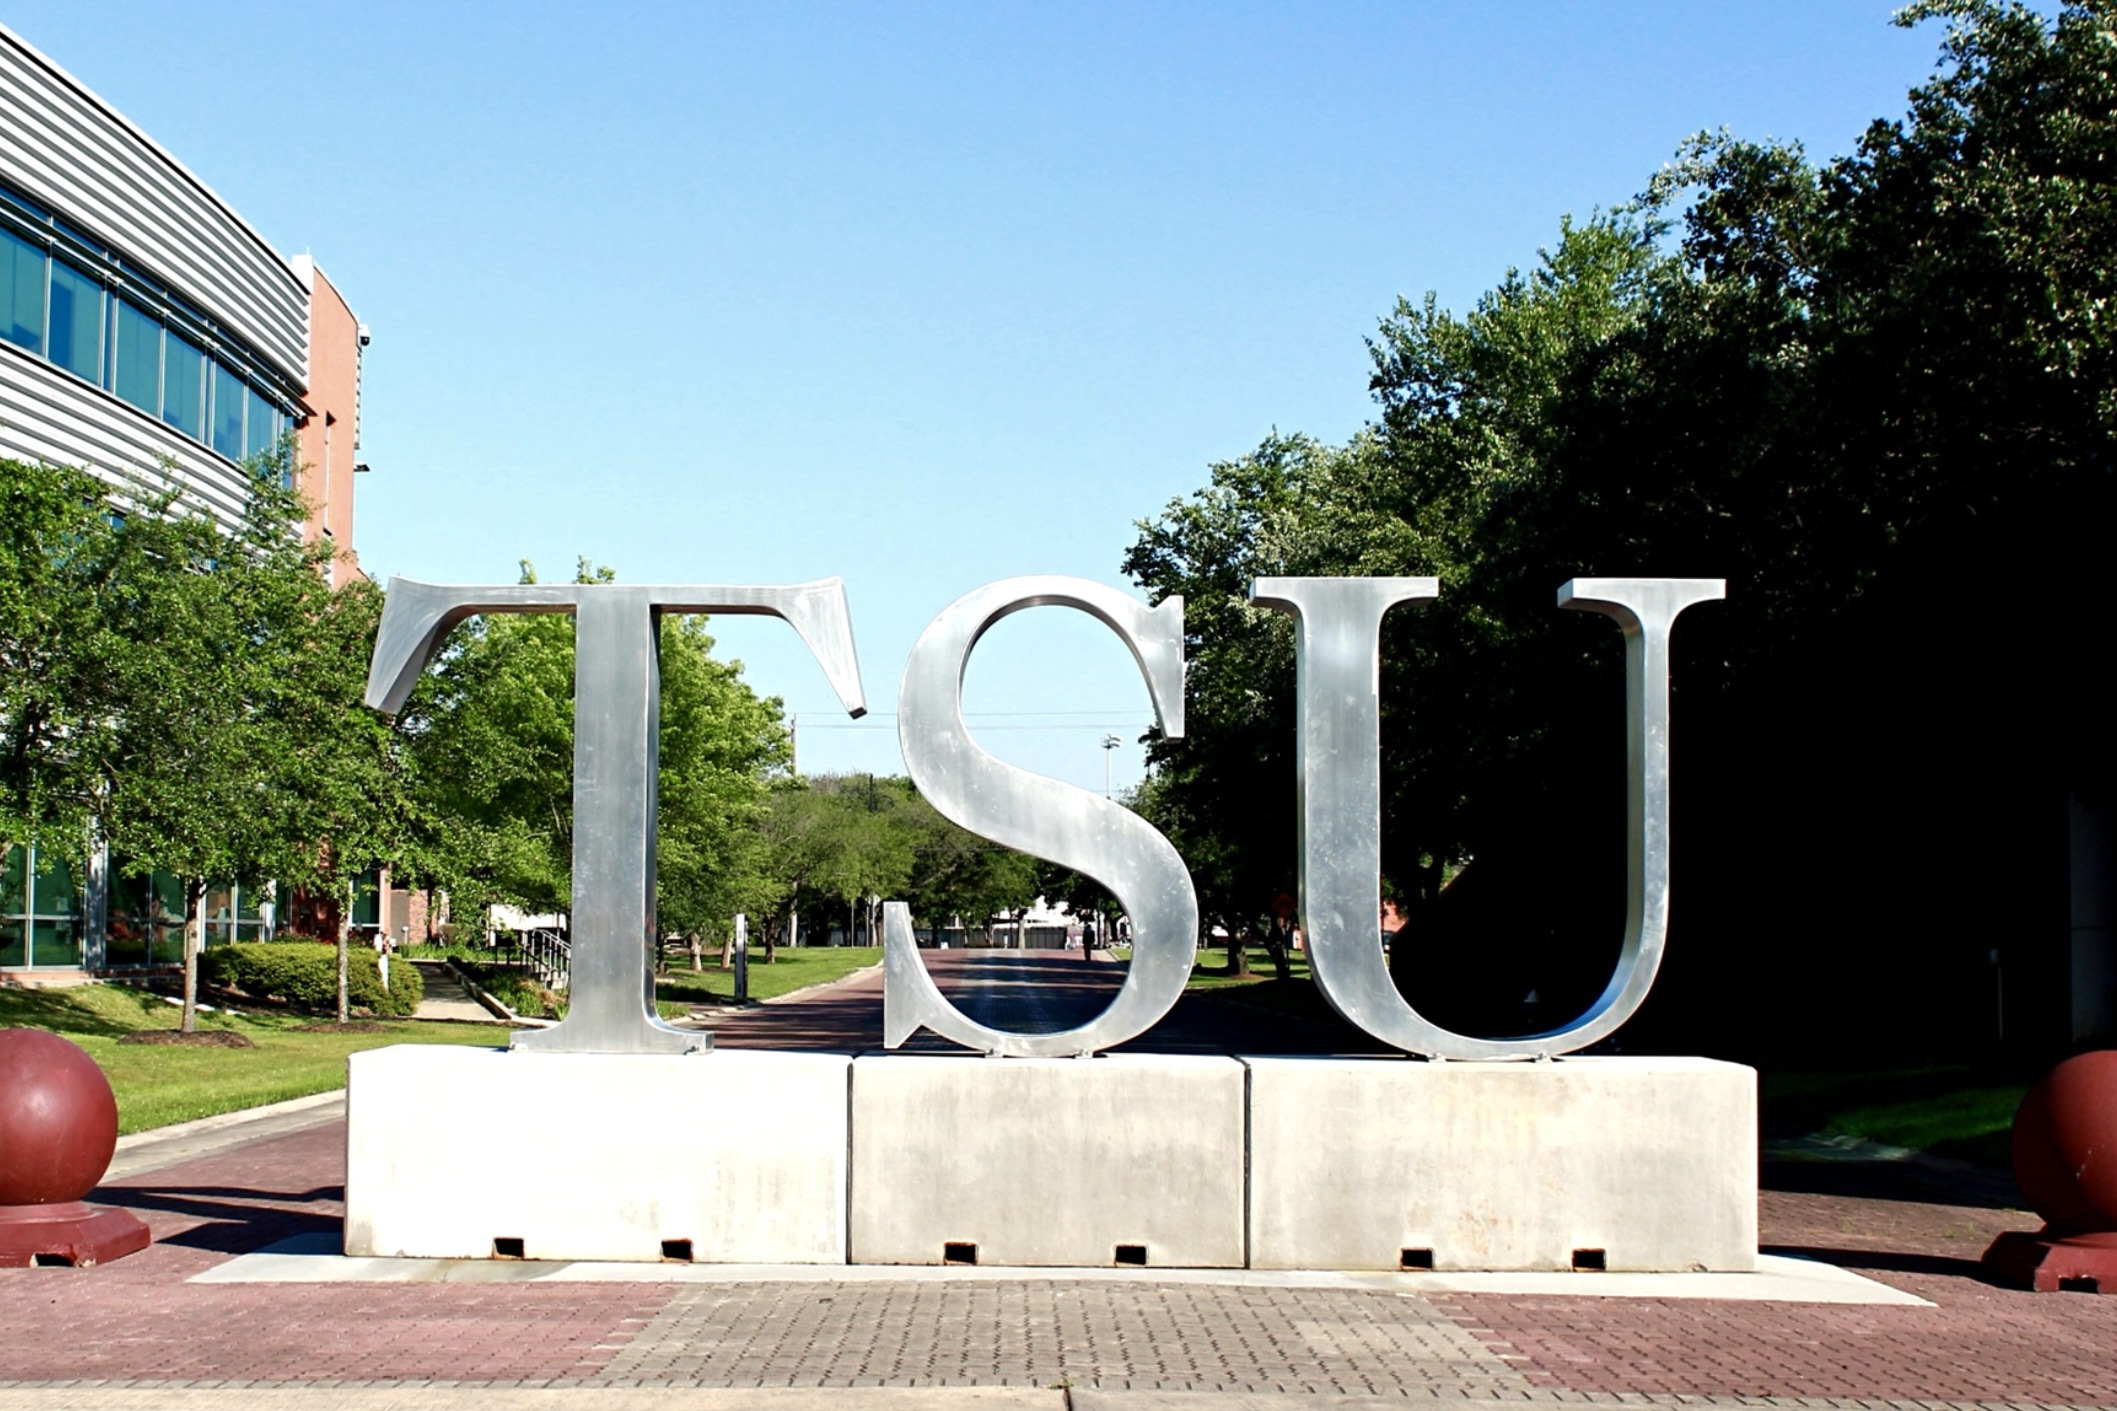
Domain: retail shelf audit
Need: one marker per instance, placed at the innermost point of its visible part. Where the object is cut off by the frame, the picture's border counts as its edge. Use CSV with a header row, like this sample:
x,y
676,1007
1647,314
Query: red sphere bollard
x,y
2065,1161
58,1130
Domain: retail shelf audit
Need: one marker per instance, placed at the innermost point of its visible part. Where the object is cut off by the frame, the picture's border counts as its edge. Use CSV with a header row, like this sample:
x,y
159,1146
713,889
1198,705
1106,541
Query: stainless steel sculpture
x,y
1337,667
617,725
1070,826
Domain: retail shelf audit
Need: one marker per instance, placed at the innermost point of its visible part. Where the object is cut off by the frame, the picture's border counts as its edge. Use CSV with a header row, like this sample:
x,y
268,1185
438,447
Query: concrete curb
x,y
846,979
245,1117
158,1147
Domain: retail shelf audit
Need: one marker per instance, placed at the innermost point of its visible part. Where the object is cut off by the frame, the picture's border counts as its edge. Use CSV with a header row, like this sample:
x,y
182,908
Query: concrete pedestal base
x,y
1150,1160
1122,1159
468,1153
2055,1263
69,1233
1595,1163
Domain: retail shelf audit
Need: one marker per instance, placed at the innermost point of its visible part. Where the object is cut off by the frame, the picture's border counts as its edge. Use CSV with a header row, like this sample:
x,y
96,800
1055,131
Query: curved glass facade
x,y
84,308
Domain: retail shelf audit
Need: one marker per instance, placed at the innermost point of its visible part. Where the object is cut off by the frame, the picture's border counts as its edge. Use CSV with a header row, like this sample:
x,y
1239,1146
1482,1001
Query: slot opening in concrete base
x,y
60,1261
1589,1260
1414,1259
677,1251
2083,1284
1129,1254
959,1252
506,1247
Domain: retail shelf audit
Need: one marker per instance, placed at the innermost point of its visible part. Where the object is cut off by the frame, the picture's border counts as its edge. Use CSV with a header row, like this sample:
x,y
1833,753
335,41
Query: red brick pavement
x,y
1980,1343
138,1319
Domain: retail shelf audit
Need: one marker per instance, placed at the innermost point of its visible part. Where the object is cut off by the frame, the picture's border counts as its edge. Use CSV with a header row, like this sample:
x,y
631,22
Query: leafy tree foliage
x,y
64,569
490,770
1877,396
223,768
185,691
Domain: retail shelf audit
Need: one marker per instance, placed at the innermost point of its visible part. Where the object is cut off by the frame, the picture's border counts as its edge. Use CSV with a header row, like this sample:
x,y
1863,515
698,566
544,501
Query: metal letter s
x,y
1055,821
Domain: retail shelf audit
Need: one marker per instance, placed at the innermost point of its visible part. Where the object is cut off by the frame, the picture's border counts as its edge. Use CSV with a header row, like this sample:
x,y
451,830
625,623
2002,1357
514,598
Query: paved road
x,y
1033,991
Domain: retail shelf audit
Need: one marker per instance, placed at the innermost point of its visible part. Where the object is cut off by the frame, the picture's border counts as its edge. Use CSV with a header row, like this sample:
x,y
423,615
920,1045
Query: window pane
x,y
228,393
139,379
54,943
21,293
76,322
126,934
184,388
125,941
169,897
11,952
11,879
264,424
367,909
219,907
56,894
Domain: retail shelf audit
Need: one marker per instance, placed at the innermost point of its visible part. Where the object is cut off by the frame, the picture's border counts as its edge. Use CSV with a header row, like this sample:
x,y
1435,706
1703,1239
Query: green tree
x,y
204,778
1855,391
342,798
488,760
867,847
721,747
63,564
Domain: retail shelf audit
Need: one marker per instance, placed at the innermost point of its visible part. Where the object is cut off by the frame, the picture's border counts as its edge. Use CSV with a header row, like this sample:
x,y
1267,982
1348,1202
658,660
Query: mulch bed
x,y
204,1038
351,1026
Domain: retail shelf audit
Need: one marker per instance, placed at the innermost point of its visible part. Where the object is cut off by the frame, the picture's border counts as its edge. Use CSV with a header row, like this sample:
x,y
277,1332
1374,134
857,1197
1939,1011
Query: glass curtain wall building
x,y
149,334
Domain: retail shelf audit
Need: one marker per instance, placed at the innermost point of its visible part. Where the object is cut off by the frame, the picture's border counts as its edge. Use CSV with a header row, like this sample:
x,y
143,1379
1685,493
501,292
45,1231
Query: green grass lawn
x,y
157,1085
1260,989
798,967
1947,1111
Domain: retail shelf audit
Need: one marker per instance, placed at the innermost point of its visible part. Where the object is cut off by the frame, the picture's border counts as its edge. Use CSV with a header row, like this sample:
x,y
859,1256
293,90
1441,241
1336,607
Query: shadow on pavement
x,y
1883,1261
226,1220
1950,1184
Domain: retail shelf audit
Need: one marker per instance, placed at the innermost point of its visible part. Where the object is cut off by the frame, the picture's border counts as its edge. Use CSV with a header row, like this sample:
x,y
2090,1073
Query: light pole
x,y
1110,743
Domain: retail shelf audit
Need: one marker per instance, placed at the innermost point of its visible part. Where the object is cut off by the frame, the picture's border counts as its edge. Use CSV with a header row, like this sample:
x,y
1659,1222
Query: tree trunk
x,y
345,933
698,952
194,942
1238,948
727,951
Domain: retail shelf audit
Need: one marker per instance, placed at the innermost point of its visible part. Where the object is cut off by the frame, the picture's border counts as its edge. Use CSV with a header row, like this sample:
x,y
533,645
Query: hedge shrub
x,y
306,973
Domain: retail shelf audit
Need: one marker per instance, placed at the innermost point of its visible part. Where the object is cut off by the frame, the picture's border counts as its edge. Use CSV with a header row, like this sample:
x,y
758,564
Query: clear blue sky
x,y
920,295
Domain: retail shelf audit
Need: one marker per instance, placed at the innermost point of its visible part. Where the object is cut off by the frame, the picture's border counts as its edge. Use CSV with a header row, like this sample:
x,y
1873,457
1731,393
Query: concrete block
x,y
1651,1161
596,1156
1054,1161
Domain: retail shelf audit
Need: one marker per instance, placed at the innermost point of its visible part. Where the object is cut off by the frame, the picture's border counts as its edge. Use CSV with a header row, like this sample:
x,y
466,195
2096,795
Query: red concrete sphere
x,y
58,1119
2065,1145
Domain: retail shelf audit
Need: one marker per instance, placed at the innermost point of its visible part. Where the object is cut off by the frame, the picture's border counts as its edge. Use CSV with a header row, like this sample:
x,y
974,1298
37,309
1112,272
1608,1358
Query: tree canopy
x,y
1876,395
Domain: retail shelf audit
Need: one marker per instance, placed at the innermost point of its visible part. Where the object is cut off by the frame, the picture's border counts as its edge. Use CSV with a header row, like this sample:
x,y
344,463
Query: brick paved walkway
x,y
137,1327
139,1322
